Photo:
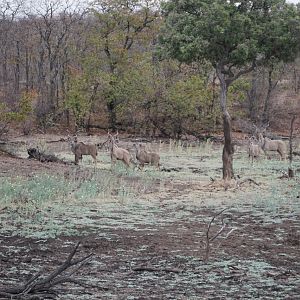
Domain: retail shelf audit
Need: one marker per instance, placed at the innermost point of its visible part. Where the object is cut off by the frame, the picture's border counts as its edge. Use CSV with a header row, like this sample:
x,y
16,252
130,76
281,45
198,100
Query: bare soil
x,y
162,231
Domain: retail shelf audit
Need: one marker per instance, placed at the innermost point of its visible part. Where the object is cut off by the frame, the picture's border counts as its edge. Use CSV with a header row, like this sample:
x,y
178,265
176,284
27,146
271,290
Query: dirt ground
x,y
150,242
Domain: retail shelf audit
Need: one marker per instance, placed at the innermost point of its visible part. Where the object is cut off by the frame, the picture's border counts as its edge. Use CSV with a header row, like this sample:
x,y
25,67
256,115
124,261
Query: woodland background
x,y
64,66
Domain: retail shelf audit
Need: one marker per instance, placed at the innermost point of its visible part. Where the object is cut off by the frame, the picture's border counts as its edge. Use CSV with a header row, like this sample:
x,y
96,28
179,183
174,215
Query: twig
x,y
228,234
250,180
150,268
210,239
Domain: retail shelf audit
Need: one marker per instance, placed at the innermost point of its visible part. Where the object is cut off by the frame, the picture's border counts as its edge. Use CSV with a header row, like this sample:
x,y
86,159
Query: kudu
x,y
273,145
254,150
145,157
79,149
117,153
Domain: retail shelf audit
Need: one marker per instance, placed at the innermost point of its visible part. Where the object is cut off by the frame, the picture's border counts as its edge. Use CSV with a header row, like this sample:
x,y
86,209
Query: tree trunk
x,y
227,156
228,150
92,107
111,106
27,69
291,140
265,116
252,97
17,68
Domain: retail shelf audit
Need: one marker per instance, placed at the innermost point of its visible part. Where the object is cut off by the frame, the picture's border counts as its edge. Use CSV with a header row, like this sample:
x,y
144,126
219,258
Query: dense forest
x,y
112,65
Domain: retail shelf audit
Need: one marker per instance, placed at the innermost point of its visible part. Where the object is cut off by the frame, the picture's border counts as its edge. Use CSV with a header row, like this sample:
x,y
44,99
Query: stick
x,y
210,239
154,269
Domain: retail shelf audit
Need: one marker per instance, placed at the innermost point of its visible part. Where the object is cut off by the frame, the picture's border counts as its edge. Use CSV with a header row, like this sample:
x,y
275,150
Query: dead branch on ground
x,y
248,180
150,268
40,286
210,239
35,153
57,141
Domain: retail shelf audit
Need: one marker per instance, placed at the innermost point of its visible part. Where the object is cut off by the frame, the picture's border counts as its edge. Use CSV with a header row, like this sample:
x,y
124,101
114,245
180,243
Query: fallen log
x,y
34,153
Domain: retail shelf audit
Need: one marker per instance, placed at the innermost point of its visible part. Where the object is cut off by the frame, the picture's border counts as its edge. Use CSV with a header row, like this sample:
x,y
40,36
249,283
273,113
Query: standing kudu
x,y
117,153
254,149
145,157
79,149
273,145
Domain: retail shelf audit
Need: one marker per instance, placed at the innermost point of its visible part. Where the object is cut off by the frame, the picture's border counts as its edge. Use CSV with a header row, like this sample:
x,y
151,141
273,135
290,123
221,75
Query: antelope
x,y
254,150
117,153
145,157
80,149
273,145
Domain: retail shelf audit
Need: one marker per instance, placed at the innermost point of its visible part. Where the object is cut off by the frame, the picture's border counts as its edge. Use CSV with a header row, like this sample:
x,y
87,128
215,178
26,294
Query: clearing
x,y
147,229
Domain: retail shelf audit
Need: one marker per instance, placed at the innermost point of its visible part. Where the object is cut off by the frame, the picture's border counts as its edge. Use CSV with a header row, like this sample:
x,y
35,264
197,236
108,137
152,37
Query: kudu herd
x,y
261,145
272,145
257,147
116,153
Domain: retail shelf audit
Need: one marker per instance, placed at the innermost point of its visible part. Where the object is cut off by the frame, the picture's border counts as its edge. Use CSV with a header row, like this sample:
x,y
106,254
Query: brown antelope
x,y
254,150
117,153
145,157
79,149
273,145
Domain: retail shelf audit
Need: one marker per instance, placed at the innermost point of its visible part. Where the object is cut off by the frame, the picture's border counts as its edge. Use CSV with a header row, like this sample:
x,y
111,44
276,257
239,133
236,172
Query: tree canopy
x,y
229,34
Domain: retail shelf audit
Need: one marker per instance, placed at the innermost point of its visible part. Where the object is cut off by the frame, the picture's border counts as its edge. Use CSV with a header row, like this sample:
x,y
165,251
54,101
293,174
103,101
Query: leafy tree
x,y
20,114
280,45
122,33
230,35
188,102
77,99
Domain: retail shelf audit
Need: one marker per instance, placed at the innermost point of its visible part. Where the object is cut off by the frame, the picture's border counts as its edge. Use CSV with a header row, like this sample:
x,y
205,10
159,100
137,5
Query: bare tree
x,y
53,22
8,14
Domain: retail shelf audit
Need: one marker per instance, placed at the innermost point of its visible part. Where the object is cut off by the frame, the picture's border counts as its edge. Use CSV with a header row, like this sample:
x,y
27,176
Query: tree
x,y
19,115
230,35
53,22
9,12
77,100
122,24
280,44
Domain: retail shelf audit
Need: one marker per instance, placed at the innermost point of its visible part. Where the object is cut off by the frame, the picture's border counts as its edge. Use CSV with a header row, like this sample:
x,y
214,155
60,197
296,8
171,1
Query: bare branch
x,y
210,239
35,287
150,268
